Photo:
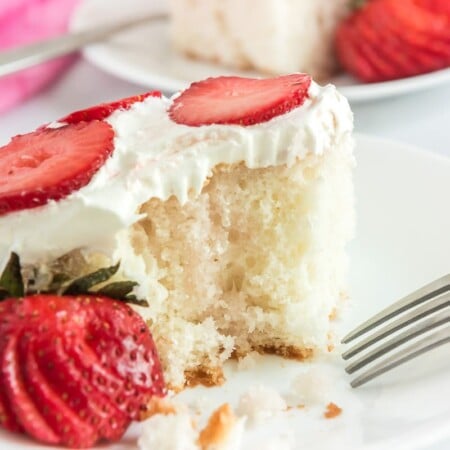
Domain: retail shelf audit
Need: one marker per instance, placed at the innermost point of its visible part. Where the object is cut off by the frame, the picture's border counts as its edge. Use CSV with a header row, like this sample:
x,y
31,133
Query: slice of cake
x,y
228,207
272,36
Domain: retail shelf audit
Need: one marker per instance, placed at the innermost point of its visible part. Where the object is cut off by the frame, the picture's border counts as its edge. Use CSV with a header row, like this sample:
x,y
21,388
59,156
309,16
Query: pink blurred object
x,y
23,22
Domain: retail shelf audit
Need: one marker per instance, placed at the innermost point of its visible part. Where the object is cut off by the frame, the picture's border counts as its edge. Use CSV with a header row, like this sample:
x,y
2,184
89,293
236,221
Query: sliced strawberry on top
x,y
240,101
49,164
102,111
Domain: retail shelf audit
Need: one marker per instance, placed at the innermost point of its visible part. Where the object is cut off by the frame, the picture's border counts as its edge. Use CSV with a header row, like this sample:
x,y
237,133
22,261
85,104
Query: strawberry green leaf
x,y
58,281
83,284
11,282
117,290
135,301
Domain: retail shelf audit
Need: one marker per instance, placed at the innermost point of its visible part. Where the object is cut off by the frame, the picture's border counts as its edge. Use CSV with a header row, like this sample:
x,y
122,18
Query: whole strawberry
x,y
74,370
390,39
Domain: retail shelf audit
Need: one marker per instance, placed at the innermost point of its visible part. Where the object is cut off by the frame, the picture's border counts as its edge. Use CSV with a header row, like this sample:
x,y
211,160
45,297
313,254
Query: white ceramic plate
x,y
144,55
402,242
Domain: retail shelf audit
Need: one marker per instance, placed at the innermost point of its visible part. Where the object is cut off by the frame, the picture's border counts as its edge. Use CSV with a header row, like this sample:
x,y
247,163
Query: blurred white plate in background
x,y
145,56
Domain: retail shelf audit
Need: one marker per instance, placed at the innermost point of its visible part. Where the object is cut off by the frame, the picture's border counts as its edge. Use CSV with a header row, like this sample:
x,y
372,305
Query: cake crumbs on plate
x,y
332,411
218,429
159,406
261,402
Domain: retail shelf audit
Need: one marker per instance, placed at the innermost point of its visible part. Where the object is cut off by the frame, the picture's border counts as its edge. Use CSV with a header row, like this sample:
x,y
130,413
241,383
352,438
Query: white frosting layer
x,y
155,157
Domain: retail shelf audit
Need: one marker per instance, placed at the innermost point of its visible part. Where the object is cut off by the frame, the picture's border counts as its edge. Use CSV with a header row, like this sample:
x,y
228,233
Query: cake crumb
x,y
169,432
158,406
332,411
311,387
218,432
261,402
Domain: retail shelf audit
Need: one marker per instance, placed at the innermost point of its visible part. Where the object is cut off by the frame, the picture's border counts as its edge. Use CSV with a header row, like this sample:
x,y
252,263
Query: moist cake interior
x,y
257,261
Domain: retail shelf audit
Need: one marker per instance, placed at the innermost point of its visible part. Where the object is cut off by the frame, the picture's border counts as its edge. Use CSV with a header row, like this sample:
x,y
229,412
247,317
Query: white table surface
x,y
421,119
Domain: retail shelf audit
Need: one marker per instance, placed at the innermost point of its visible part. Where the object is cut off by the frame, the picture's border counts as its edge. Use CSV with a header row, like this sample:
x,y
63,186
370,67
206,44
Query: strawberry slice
x,y
102,111
441,7
73,430
123,345
50,164
7,417
240,101
350,56
397,38
60,372
391,55
20,402
76,370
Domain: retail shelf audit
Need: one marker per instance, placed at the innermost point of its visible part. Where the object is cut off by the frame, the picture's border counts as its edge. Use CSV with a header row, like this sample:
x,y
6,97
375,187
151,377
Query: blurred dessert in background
x,y
273,37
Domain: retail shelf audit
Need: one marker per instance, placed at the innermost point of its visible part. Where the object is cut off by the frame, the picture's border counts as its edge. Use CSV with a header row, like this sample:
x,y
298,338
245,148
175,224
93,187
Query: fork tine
x,y
412,332
420,312
431,290
434,340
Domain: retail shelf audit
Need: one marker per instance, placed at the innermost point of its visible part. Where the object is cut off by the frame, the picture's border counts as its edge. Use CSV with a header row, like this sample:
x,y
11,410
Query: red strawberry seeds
x,y
49,164
240,101
74,370
389,39
102,111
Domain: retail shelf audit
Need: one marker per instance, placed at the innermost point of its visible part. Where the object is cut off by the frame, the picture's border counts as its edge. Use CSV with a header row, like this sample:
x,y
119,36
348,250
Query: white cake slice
x,y
235,234
272,36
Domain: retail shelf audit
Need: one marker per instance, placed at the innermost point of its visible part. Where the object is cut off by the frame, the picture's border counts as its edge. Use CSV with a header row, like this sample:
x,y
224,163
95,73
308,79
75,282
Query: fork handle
x,y
23,57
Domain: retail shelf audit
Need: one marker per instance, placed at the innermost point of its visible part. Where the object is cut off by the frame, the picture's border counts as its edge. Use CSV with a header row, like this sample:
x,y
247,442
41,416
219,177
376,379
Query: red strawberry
x,y
395,61
78,393
49,347
436,6
14,389
241,101
50,164
397,38
71,429
350,54
102,111
7,417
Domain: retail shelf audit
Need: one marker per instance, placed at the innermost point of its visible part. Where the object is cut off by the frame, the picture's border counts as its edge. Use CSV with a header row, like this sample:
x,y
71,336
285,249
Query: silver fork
x,y
429,306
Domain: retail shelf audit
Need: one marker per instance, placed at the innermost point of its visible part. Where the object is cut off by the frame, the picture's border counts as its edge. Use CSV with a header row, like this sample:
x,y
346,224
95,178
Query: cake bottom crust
x,y
214,376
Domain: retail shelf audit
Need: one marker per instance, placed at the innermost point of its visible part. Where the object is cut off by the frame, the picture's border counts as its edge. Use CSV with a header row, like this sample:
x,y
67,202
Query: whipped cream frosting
x,y
156,157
